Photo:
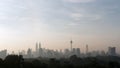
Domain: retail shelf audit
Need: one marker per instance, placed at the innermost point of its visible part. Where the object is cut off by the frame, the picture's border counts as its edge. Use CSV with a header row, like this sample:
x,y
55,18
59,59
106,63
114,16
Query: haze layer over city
x,y
54,23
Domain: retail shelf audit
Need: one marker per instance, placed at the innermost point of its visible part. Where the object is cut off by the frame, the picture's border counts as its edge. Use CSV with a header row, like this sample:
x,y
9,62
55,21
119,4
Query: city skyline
x,y
37,46
66,53
55,22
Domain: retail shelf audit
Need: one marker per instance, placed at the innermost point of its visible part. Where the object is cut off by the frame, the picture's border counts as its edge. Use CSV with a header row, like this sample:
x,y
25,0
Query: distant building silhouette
x,y
76,51
86,49
71,44
67,53
29,53
3,54
112,51
36,47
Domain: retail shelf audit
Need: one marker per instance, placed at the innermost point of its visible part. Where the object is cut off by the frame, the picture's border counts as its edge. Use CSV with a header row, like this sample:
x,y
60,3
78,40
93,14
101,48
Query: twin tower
x,y
38,46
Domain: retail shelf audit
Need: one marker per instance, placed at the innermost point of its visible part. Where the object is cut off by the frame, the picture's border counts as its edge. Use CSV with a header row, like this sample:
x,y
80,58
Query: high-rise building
x,y
86,49
29,53
76,51
112,51
39,45
3,54
67,53
40,50
36,47
71,43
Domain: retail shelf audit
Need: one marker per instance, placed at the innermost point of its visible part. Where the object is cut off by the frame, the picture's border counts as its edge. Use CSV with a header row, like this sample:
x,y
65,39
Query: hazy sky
x,y
55,22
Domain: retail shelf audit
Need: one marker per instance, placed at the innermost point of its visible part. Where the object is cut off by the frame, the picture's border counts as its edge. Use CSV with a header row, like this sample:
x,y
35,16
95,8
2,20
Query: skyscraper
x,y
71,43
86,49
40,50
76,51
112,51
29,53
36,47
39,45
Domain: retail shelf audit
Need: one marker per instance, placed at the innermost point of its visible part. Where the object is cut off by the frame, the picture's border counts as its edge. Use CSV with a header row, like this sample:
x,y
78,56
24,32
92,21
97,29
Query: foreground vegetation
x,y
15,61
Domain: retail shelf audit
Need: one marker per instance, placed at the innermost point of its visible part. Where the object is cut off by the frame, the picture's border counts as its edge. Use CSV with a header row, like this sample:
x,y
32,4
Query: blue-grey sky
x,y
55,22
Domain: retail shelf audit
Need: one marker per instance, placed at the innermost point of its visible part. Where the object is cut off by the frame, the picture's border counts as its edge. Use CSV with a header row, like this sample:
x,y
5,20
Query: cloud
x,y
76,16
85,17
79,1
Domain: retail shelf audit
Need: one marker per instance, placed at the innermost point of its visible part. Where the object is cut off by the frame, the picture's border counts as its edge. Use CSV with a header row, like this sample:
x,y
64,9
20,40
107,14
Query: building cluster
x,y
111,52
48,53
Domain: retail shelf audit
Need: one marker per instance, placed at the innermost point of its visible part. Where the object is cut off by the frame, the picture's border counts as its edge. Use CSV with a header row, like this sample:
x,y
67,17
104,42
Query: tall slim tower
x,y
86,49
71,43
36,47
39,45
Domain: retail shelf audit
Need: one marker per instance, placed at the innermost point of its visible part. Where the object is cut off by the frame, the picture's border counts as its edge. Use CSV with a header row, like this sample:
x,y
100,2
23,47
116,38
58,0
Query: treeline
x,y
15,61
